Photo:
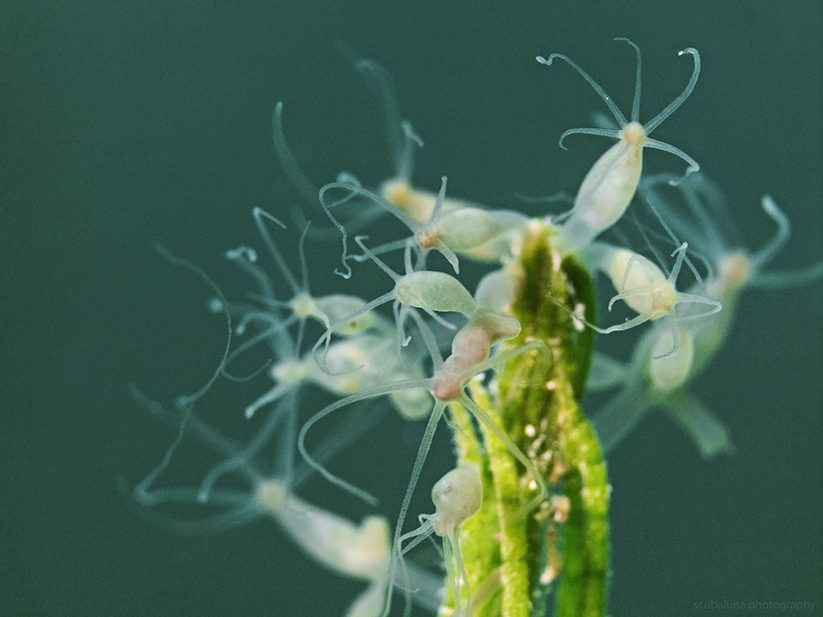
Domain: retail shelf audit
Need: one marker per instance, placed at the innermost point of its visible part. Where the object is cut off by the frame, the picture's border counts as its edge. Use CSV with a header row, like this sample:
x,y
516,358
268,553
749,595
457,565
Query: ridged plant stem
x,y
519,563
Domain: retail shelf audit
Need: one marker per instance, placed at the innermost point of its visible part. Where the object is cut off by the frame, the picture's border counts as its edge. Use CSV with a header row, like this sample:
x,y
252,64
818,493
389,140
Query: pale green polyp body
x,y
468,229
435,291
604,195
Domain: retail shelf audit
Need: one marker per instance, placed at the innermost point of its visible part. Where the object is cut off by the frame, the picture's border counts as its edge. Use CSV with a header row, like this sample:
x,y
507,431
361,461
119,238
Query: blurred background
x,y
127,123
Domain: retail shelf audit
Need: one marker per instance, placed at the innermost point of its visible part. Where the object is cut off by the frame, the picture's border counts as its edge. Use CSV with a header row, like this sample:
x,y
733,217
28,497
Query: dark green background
x,y
125,123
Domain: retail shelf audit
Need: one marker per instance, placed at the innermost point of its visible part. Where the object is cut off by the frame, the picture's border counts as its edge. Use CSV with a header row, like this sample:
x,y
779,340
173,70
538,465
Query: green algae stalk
x,y
519,563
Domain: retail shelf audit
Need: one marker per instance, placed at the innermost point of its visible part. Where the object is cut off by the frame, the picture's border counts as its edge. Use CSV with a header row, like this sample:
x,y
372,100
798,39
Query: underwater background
x,y
123,124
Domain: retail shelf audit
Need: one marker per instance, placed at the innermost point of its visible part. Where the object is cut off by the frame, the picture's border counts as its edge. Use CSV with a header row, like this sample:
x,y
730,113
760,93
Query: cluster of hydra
x,y
420,357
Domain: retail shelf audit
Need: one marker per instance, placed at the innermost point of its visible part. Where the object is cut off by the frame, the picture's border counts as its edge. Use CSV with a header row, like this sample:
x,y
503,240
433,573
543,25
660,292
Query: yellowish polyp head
x,y
417,204
271,494
634,135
